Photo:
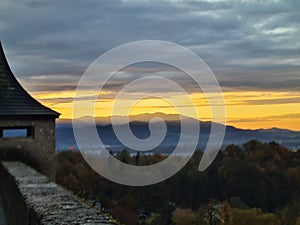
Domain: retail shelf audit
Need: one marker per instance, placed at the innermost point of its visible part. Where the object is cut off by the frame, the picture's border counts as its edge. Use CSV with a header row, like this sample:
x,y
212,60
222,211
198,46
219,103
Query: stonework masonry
x,y
37,150
30,198
20,111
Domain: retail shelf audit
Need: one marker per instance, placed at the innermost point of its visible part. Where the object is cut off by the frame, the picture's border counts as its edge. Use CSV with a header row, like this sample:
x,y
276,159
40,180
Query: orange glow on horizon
x,y
247,109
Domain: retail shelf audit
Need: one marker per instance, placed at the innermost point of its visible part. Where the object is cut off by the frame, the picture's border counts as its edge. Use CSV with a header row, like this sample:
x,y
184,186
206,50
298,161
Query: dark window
x,y
16,132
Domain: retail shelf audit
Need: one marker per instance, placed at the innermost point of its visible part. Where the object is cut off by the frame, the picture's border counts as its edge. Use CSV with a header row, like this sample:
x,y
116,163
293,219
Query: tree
x,y
124,156
184,217
298,221
253,216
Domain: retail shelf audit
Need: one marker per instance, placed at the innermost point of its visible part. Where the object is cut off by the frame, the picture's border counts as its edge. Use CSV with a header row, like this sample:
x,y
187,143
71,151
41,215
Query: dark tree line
x,y
256,176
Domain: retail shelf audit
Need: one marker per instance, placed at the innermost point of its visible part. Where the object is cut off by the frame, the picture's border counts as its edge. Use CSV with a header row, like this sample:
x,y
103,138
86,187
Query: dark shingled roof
x,y
14,100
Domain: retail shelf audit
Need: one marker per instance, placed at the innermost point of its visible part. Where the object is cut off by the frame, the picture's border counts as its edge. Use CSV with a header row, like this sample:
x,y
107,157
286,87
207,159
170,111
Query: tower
x,y
27,128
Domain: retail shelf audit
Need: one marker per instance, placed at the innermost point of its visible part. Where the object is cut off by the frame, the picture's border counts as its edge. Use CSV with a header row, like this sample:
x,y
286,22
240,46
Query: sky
x,y
252,46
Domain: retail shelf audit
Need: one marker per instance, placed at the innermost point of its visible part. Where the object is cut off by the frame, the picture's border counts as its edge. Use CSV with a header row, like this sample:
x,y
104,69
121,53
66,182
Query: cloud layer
x,y
249,44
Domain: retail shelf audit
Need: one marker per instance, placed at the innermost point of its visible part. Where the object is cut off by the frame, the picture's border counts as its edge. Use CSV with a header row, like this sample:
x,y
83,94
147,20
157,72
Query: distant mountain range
x,y
103,121
139,125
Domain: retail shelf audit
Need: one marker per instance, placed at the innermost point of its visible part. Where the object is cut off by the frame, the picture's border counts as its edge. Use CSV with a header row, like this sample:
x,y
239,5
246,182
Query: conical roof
x,y
14,100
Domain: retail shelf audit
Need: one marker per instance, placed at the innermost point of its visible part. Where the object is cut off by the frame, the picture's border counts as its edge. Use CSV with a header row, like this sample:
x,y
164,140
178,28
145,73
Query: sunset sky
x,y
252,46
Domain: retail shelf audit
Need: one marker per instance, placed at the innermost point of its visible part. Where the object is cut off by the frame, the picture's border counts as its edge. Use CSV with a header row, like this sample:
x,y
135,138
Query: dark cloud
x,y
264,118
251,39
273,101
268,79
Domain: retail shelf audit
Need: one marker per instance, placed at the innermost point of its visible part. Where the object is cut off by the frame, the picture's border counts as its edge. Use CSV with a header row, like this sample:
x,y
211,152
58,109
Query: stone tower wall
x,y
37,150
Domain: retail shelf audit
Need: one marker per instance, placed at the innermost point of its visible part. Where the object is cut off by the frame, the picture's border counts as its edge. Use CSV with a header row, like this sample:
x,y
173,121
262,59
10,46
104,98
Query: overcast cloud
x,y
249,44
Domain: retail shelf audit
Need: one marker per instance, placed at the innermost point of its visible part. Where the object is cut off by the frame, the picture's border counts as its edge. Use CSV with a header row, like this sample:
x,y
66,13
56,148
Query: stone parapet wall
x,y
30,198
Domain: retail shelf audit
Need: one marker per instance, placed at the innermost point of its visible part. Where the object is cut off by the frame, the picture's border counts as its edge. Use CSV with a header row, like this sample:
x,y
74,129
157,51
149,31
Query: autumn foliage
x,y
257,183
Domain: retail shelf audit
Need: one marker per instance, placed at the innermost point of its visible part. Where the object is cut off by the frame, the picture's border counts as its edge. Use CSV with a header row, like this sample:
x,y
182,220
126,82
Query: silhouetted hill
x,y
139,127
